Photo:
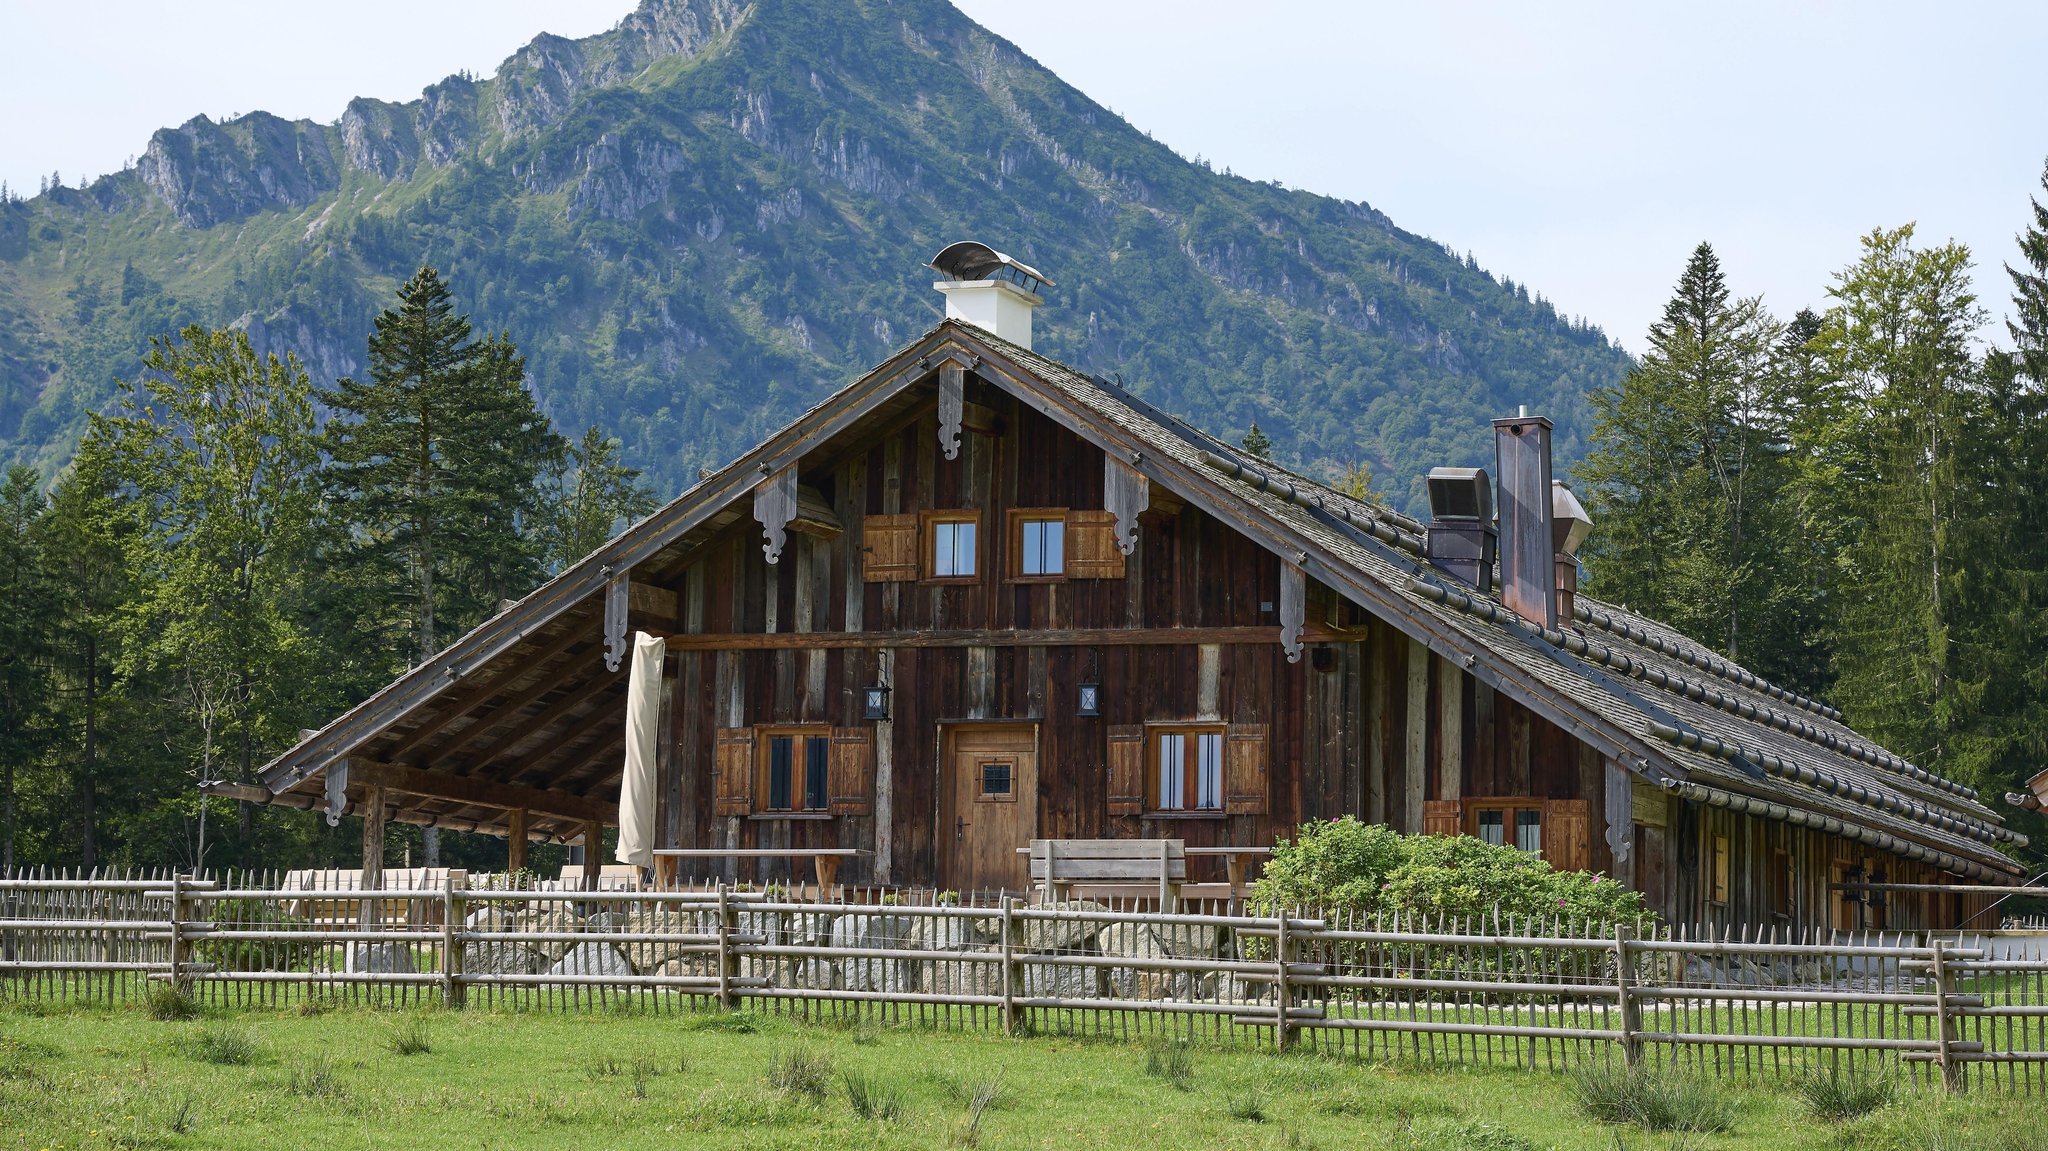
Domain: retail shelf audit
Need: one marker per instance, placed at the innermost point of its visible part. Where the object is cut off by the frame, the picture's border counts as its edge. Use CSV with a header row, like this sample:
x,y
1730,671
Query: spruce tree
x,y
1257,442
1686,476
435,468
592,496
27,600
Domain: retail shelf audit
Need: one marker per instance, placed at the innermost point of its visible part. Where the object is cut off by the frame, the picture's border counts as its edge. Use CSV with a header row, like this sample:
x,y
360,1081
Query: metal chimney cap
x,y
1569,523
968,260
1460,494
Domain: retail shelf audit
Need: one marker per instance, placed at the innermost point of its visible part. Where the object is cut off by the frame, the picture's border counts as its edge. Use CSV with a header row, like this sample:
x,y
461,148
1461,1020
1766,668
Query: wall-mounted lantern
x,y
1088,701
875,702
1876,899
1852,880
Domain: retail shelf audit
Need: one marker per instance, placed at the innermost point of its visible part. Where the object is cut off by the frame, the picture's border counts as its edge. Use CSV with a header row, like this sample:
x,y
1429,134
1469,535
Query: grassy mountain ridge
x,y
702,221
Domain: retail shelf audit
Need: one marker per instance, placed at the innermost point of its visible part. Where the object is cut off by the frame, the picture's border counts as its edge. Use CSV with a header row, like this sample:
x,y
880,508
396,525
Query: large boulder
x,y
381,959
549,918
498,957
1160,941
877,933
1062,934
601,959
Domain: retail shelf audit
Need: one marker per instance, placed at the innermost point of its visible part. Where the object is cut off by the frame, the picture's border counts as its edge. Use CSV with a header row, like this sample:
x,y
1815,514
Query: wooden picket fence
x,y
1950,1011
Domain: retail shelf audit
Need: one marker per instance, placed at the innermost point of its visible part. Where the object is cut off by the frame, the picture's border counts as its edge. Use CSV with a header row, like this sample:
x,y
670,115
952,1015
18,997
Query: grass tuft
x,y
1249,1106
225,1046
984,1097
315,1080
799,1072
167,1004
410,1038
1839,1097
1660,1100
871,1098
185,1116
1172,1060
722,1023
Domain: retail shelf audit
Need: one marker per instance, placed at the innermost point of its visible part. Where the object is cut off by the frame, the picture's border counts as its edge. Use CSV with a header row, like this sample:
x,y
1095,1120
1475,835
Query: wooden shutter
x,y
1244,769
1567,842
733,785
1442,817
1127,769
850,774
889,548
1091,546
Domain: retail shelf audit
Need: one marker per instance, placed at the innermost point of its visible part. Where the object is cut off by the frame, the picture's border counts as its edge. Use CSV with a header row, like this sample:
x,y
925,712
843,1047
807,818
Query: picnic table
x,y
824,860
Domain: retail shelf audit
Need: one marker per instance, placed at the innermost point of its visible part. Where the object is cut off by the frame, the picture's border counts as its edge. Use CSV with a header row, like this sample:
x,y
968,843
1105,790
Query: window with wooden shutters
x,y
733,772
852,772
889,548
1127,769
1442,817
1091,546
1245,769
1184,769
1567,835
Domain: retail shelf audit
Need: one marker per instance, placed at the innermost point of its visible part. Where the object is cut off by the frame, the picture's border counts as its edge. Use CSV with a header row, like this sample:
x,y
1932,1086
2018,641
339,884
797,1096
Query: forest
x,y
1849,501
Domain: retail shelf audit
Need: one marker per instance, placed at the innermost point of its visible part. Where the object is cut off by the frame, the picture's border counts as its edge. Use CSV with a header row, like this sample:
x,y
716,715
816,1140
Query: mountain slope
x,y
700,222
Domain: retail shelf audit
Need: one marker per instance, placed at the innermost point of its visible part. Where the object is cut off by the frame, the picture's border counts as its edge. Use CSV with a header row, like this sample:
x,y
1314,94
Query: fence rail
x,y
1950,1011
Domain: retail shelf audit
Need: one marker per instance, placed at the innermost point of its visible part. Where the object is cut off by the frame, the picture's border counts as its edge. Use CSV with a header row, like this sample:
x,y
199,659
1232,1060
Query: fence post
x,y
1283,953
1944,1022
454,910
728,963
1012,970
181,947
1631,1009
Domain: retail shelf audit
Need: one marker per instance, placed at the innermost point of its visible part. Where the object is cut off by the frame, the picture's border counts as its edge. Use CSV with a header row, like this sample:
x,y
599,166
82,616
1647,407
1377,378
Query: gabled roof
x,y
1641,694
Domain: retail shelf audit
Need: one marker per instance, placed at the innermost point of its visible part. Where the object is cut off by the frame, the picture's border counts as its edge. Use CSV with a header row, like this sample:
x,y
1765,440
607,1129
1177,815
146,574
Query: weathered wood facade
x,y
1288,641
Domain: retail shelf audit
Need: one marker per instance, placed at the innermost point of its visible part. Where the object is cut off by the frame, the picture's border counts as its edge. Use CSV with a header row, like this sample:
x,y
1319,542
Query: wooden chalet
x,y
978,597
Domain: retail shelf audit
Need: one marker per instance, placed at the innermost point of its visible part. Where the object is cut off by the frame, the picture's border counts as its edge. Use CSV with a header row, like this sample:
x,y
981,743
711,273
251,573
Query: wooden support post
x,y
1631,1008
515,839
373,854
1283,954
181,945
1417,744
1013,971
1945,1023
593,857
1450,730
454,910
728,962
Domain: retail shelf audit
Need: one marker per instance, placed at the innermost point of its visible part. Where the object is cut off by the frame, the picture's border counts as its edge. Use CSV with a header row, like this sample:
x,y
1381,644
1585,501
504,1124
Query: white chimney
x,y
993,292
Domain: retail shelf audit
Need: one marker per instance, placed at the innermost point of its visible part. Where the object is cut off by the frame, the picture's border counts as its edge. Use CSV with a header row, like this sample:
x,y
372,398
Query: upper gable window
x,y
1037,544
952,545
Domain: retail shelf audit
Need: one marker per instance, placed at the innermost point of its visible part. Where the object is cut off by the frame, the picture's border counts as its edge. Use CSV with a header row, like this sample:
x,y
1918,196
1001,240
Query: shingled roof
x,y
1650,698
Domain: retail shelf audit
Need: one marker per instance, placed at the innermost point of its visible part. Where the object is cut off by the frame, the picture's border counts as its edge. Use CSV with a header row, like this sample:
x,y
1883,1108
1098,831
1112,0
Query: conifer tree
x,y
26,600
1257,442
1686,477
436,461
593,495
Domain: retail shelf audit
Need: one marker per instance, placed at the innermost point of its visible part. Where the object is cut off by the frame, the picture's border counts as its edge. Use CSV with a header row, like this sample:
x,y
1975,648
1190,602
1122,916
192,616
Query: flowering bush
x,y
1345,865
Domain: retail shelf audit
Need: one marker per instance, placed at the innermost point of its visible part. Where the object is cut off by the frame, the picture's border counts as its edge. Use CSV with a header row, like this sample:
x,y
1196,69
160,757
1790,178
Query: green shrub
x,y
166,1004
1841,1096
1659,1099
254,954
1345,865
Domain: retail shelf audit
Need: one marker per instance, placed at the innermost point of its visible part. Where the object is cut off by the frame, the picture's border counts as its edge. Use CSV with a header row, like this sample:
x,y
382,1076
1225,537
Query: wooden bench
x,y
1145,866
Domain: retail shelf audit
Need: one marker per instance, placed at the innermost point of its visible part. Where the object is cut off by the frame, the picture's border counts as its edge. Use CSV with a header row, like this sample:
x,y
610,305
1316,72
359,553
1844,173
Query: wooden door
x,y
991,806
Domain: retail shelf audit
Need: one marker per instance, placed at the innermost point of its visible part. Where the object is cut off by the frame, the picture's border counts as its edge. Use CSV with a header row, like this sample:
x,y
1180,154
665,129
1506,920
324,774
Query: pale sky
x,y
1580,148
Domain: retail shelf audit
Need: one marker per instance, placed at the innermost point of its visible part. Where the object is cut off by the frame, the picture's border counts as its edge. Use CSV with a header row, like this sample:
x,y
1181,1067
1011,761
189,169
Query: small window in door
x,y
998,782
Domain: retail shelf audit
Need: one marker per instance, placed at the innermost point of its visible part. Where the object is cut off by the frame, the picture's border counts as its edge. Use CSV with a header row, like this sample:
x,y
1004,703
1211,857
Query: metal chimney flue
x,y
1528,550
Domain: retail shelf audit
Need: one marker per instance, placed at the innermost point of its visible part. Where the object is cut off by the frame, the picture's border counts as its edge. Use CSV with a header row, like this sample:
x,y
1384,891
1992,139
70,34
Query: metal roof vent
x,y
1461,537
990,290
